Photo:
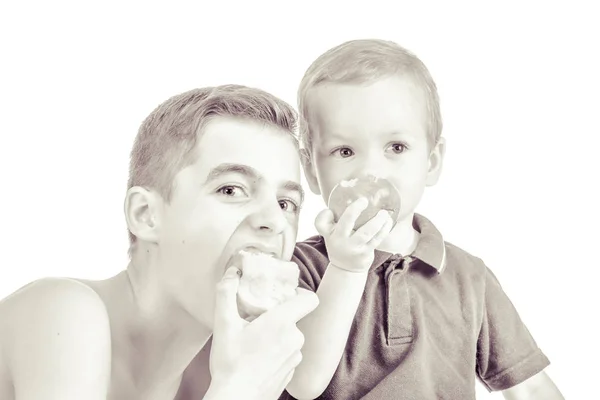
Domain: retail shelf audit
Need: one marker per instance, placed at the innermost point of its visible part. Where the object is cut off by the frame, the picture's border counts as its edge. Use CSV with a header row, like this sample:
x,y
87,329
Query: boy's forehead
x,y
390,104
248,148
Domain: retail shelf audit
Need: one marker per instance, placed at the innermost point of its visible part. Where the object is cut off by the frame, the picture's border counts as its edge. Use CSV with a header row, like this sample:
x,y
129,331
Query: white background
x,y
519,86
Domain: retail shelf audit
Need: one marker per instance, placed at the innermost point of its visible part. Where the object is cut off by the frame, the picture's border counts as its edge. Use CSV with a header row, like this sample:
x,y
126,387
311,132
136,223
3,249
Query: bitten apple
x,y
266,282
380,192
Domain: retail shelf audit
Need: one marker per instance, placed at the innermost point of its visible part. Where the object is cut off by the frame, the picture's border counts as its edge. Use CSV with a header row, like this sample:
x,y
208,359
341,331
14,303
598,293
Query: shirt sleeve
x,y
507,354
311,257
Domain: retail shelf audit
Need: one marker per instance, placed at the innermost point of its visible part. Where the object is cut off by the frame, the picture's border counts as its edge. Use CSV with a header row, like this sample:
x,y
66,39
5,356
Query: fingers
x,y
324,222
374,228
382,234
226,309
347,220
294,309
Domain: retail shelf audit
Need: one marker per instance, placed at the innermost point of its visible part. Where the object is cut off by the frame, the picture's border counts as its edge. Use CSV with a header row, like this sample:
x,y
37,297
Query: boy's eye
x,y
398,147
231,191
344,152
288,205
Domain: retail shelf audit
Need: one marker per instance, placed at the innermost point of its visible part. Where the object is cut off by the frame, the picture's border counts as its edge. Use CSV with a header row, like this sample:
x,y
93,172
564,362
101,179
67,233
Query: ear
x,y
141,213
309,171
436,160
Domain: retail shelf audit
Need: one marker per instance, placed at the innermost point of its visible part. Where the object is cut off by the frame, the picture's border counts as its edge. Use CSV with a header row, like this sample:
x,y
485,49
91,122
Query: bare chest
x,y
192,385
124,386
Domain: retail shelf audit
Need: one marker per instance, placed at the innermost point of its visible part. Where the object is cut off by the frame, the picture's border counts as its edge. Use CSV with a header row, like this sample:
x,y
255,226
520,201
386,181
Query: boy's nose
x,y
372,165
268,217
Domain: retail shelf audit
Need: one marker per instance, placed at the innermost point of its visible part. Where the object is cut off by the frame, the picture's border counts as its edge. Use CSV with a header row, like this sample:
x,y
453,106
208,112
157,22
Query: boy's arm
x,y
326,331
508,358
538,387
58,345
327,328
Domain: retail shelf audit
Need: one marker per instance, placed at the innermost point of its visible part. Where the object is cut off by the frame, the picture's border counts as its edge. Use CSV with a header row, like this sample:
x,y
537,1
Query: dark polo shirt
x,y
427,326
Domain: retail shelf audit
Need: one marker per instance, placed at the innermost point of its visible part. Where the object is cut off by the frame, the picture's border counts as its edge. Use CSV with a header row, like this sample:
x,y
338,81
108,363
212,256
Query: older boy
x,y
196,196
418,318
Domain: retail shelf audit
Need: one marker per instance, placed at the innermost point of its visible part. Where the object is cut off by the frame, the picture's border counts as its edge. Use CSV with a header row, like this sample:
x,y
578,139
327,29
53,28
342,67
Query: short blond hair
x,y
167,138
367,60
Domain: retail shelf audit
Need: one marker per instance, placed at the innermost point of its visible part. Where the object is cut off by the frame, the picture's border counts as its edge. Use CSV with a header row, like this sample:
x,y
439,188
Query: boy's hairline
x,y
193,155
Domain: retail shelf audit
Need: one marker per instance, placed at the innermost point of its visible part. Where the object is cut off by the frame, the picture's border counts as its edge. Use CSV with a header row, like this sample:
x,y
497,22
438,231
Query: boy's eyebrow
x,y
227,168
399,133
251,173
295,187
334,137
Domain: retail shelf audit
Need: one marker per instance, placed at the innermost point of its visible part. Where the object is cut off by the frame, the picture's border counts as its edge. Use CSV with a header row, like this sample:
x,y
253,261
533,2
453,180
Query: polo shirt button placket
x,y
399,317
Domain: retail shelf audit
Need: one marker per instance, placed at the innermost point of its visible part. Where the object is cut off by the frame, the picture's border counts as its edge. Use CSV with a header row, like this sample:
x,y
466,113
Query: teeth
x,y
254,251
349,183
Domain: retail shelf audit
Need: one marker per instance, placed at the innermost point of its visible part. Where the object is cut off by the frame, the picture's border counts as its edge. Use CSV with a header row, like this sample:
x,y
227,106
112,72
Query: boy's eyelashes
x,y
342,151
231,190
290,205
236,191
345,151
398,147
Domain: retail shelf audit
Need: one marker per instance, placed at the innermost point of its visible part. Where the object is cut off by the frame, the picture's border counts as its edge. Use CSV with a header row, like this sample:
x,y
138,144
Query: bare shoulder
x,y
51,297
51,322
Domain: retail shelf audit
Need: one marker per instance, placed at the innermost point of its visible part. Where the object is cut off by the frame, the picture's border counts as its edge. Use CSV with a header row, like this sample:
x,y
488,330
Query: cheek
x,y
411,184
199,237
290,237
329,176
330,171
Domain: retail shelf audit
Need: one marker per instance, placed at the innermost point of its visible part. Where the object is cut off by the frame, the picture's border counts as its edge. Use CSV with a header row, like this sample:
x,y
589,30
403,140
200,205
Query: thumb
x,y
324,222
226,309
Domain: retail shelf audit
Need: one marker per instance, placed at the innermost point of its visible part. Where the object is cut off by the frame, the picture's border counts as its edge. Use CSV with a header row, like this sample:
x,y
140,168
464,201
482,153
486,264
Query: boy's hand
x,y
255,360
351,250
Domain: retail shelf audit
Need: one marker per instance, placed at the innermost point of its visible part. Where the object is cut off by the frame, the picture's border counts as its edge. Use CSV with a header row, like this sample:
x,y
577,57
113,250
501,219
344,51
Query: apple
x,y
266,282
380,192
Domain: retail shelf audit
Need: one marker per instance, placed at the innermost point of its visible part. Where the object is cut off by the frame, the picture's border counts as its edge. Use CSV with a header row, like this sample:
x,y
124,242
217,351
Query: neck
x,y
402,239
160,338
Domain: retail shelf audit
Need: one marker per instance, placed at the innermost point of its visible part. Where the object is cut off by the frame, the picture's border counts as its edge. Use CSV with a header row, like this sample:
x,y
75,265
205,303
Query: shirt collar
x,y
430,249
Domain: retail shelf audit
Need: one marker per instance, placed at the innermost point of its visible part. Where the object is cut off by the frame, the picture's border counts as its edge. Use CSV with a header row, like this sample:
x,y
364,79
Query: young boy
x,y
403,314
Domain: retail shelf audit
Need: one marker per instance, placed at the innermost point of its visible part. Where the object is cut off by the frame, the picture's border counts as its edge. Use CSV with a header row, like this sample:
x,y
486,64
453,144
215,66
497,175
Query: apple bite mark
x,y
380,193
349,183
266,282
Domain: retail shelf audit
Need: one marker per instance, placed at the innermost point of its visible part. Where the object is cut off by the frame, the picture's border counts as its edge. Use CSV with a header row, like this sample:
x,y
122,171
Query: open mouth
x,y
260,248
256,250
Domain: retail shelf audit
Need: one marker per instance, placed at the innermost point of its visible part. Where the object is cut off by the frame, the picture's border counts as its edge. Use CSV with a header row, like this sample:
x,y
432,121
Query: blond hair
x,y
367,60
167,138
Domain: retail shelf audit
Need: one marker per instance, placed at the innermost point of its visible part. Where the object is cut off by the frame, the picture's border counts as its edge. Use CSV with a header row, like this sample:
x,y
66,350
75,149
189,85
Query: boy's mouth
x,y
261,248
256,250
